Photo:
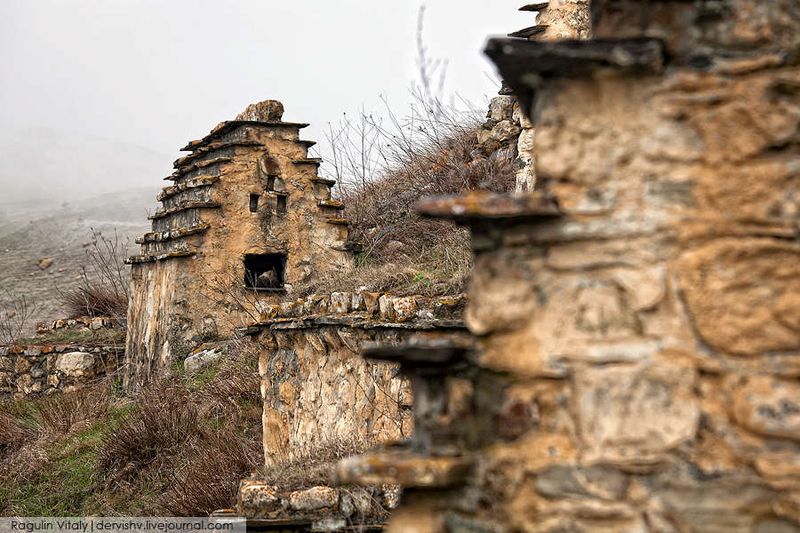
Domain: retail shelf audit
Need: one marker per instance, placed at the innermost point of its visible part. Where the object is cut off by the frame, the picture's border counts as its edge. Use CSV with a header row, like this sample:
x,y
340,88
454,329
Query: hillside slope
x,y
63,234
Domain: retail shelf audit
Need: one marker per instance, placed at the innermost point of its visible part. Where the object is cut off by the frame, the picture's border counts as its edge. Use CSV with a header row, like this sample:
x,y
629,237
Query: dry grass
x,y
179,448
104,280
383,169
314,466
94,300
15,313
164,419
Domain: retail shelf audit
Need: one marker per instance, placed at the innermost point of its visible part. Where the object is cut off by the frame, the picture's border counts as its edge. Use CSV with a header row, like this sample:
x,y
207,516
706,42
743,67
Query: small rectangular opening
x,y
264,271
281,205
270,183
254,203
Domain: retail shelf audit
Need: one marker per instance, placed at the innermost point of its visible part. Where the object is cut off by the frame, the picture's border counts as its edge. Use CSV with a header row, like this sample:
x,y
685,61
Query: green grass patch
x,y
90,337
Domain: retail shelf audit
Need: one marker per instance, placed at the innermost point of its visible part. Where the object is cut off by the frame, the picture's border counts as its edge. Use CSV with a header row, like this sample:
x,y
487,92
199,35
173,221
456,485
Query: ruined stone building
x,y
245,219
509,132
638,315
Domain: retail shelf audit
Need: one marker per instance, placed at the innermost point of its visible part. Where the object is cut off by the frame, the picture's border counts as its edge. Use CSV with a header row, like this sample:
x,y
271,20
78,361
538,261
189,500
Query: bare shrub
x,y
314,466
163,420
384,167
12,433
15,315
65,412
188,442
219,461
104,280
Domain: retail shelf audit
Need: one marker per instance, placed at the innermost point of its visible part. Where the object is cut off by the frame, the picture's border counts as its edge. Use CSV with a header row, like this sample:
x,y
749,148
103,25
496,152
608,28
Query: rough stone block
x,y
769,406
744,294
404,308
257,500
314,499
386,307
76,364
635,414
340,303
196,362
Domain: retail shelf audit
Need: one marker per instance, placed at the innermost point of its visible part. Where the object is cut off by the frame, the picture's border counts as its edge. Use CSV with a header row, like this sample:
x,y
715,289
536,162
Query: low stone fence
x,y
44,369
84,323
65,355
318,508
364,304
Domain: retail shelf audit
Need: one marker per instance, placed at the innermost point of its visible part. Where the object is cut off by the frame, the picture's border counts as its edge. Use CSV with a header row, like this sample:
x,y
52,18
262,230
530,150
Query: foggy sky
x,y
156,73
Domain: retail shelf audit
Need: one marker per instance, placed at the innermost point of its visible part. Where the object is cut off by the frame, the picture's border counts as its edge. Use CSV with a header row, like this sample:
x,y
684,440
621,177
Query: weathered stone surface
x,y
317,389
340,303
744,295
634,415
314,499
769,406
638,353
266,111
404,469
196,362
257,500
76,364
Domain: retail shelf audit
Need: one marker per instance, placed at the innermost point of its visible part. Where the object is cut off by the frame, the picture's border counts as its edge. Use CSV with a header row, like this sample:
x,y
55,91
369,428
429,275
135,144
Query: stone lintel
x,y
178,174
331,204
196,183
351,321
525,64
536,6
172,235
213,147
527,33
481,206
184,207
224,127
141,259
338,221
404,468
324,181
316,161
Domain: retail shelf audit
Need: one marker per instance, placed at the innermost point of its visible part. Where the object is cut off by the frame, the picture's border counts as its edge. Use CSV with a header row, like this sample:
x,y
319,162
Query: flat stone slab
x,y
477,206
404,468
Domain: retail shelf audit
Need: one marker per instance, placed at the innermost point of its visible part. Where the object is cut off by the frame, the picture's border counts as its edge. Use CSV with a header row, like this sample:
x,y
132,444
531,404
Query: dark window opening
x,y
254,203
264,271
281,205
271,183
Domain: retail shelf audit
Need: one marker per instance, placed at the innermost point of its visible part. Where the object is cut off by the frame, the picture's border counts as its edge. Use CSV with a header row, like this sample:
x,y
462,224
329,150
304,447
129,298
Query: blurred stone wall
x,y
638,317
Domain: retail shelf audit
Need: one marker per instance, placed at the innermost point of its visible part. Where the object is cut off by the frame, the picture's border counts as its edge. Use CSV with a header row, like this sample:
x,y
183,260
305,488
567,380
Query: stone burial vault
x,y
245,219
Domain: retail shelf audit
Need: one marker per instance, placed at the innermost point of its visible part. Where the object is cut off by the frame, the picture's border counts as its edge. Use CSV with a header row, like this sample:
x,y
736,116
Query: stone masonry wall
x,y
316,388
638,317
52,362
46,368
508,131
